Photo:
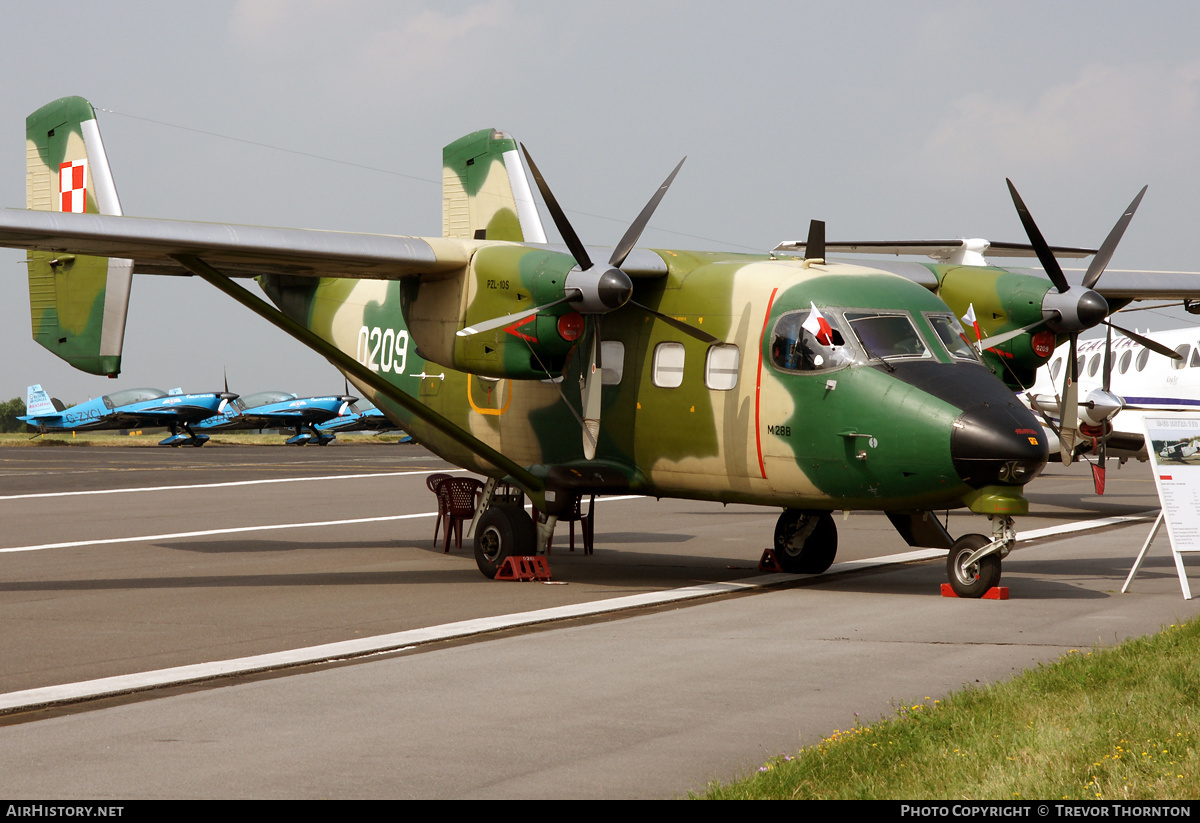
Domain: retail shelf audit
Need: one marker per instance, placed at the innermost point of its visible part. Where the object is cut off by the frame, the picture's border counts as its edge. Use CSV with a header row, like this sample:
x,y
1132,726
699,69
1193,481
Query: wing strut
x,y
361,373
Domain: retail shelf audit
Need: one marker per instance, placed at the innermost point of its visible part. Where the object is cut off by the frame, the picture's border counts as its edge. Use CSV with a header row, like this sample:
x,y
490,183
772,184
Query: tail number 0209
x,y
382,349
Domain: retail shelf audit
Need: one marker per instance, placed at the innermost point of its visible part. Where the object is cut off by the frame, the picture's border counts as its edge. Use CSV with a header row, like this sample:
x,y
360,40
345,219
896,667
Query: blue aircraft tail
x,y
38,403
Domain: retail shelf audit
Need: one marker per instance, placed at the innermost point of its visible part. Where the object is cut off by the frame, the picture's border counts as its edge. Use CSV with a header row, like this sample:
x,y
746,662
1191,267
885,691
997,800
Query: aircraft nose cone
x,y
1091,308
998,444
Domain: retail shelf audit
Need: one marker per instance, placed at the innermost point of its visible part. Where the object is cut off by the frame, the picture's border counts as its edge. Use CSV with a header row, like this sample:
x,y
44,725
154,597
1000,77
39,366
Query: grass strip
x,y
1110,723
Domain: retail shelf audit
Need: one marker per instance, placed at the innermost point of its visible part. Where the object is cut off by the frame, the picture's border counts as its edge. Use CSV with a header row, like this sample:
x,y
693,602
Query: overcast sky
x,y
889,120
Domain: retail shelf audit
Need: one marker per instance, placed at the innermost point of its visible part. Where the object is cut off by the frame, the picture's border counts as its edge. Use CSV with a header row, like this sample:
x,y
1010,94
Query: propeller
x,y
1072,309
594,290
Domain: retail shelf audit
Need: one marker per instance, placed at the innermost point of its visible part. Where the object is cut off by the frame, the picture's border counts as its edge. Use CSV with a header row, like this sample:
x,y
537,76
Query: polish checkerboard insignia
x,y
72,186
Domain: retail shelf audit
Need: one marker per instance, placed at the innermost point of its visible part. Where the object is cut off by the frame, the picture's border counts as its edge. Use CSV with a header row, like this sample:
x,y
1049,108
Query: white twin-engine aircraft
x,y
1110,411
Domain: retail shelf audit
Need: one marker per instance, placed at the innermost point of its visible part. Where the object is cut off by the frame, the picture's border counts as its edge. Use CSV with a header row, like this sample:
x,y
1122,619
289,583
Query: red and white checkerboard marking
x,y
72,186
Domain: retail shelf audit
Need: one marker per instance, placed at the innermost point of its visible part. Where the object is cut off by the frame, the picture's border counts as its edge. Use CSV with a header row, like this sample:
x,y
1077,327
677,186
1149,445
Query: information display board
x,y
1173,443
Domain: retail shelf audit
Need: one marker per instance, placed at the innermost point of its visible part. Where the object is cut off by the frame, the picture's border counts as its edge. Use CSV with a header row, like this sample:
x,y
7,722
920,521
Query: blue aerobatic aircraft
x,y
128,409
281,410
369,419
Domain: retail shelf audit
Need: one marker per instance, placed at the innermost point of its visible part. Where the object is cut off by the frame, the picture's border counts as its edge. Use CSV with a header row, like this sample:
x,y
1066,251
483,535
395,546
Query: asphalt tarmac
x,y
115,562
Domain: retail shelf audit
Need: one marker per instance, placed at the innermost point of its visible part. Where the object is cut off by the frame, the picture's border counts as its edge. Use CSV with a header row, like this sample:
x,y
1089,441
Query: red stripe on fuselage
x,y
758,387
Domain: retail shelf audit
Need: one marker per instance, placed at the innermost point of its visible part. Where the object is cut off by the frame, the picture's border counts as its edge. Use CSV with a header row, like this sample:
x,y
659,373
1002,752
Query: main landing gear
x,y
805,541
504,530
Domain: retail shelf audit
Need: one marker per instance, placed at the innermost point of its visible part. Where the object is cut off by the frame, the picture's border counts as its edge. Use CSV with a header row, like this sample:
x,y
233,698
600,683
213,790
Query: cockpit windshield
x,y
887,335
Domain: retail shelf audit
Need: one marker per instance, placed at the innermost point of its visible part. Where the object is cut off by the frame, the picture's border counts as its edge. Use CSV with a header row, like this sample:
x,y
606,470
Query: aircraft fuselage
x,y
914,425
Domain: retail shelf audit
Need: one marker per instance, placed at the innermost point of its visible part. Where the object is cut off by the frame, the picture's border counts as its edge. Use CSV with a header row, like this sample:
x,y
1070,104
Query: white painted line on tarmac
x,y
158,538
354,648
224,485
142,681
152,538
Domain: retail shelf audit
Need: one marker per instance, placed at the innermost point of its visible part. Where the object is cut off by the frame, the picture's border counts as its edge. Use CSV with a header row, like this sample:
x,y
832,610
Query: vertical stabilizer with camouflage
x,y
77,303
485,194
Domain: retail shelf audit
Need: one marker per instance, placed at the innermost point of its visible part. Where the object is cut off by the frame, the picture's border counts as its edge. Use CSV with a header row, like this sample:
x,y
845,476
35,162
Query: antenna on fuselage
x,y
814,248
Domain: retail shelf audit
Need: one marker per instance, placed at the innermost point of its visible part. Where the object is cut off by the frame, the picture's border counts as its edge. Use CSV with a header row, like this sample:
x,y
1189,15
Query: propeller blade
x,y
1098,472
686,328
1053,270
508,319
639,224
1004,337
1157,348
1100,261
592,387
560,218
1069,418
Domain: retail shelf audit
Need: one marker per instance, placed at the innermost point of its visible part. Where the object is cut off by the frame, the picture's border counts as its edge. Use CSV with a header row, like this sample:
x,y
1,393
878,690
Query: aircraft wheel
x,y
503,531
805,541
976,579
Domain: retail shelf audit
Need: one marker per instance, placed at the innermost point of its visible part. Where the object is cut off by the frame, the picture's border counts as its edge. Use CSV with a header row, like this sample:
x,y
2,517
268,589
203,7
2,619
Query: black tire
x,y
504,531
805,541
976,580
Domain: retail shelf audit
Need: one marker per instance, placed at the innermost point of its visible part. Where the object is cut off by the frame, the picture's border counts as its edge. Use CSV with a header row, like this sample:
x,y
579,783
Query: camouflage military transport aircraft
x,y
802,384
127,409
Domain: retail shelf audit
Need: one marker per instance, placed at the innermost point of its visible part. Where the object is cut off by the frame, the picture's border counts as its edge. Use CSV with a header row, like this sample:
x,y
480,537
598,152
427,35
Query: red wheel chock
x,y
769,562
524,567
994,593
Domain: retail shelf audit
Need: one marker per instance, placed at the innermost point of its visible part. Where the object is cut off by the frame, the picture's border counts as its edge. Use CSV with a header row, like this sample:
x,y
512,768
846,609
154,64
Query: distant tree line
x,y
9,412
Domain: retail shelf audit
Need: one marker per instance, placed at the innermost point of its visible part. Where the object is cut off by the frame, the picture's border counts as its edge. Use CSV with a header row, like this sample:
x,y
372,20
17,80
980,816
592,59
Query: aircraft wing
x,y
250,251
1116,284
245,251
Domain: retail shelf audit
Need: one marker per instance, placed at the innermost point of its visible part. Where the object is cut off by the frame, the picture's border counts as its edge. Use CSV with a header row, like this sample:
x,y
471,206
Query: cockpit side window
x,y
951,333
799,342
887,335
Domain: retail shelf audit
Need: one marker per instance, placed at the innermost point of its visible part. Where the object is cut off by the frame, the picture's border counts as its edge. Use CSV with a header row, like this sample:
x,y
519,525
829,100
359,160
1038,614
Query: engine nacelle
x,y
500,280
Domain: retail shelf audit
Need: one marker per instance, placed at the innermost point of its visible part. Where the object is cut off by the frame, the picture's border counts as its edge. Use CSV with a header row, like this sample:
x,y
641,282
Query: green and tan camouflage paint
x,y
77,303
771,439
1003,300
477,194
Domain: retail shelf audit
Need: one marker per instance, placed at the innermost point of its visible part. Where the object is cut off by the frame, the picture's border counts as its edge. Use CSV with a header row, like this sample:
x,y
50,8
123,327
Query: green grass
x,y
112,439
1116,723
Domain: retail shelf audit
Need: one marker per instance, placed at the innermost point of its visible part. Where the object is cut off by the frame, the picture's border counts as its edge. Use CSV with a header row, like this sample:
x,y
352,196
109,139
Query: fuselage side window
x,y
1094,366
1142,358
1123,366
668,365
1195,358
1055,367
1183,351
612,362
721,367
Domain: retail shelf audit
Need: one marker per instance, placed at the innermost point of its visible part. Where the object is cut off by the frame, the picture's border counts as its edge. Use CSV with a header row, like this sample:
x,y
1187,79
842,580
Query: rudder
x,y
78,303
